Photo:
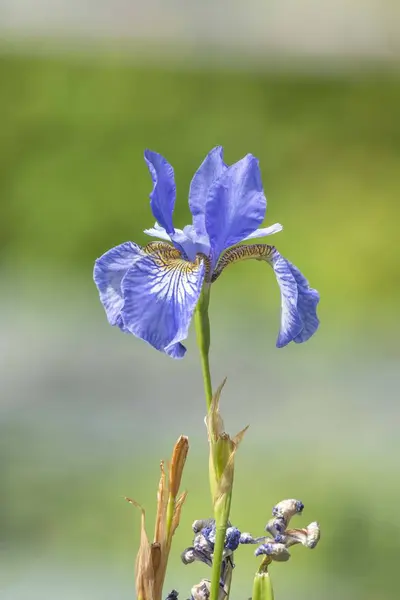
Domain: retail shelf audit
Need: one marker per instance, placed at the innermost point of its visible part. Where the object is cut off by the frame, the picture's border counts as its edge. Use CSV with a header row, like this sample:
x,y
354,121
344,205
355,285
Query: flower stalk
x,y
217,459
221,515
202,323
222,456
222,447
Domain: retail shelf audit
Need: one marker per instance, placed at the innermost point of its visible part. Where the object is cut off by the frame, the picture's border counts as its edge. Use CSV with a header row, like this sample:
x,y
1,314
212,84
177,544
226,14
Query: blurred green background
x,y
87,413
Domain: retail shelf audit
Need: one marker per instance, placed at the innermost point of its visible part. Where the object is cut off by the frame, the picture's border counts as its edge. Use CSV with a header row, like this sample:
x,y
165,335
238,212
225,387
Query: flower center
x,y
169,258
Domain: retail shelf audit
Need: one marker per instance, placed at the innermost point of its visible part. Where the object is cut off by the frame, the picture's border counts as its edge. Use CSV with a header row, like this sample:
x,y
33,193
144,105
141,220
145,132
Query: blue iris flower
x,y
152,292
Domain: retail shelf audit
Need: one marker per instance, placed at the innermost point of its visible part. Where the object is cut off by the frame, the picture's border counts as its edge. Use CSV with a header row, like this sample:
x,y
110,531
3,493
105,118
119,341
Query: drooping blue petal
x,y
307,302
210,169
291,324
160,297
264,231
109,271
236,205
299,319
162,197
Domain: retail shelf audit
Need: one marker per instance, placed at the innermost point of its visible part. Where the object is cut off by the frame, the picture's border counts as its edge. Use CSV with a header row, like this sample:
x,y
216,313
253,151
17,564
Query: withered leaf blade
x,y
178,459
144,573
214,422
162,500
177,513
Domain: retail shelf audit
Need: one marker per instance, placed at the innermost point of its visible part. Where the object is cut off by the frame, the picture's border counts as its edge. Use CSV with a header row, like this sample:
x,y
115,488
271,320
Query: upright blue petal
x,y
210,169
109,271
299,320
236,205
160,296
162,197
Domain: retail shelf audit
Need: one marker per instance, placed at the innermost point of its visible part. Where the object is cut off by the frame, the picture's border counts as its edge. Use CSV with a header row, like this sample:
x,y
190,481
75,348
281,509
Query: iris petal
x,y
236,205
307,302
210,169
299,319
291,324
160,296
263,232
158,232
109,271
200,242
162,197
179,238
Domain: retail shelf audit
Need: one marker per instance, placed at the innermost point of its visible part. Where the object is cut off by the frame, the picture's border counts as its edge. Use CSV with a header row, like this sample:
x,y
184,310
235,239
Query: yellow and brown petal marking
x,y
169,258
239,253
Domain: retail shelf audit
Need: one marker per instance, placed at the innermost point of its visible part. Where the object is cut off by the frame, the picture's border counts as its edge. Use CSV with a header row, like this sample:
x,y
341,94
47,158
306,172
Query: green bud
x,y
262,587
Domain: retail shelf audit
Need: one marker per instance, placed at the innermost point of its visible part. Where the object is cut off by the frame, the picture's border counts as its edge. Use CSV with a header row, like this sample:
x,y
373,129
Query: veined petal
x,y
264,231
162,197
291,323
161,291
307,302
299,319
236,205
109,271
199,242
210,169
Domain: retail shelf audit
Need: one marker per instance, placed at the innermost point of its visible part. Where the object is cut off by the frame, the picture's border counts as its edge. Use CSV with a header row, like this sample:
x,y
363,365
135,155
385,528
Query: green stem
x,y
221,520
202,323
222,507
262,587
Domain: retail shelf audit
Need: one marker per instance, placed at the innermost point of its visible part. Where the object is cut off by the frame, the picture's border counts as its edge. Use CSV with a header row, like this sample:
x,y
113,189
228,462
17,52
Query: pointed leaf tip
x,y
178,460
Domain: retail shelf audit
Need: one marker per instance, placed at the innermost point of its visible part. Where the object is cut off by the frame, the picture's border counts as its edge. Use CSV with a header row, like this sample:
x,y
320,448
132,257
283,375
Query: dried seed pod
x,y
201,591
188,556
232,538
288,508
204,549
191,554
291,537
276,525
209,533
309,536
247,538
276,551
313,534
200,524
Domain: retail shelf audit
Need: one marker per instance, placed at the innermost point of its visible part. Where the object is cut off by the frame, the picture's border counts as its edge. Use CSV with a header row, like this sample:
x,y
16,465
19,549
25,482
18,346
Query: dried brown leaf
x,y
177,512
162,499
214,422
156,556
178,460
144,574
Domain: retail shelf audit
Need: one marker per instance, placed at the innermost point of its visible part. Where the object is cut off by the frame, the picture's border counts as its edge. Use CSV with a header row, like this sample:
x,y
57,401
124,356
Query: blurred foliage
x,y
73,181
64,511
